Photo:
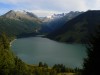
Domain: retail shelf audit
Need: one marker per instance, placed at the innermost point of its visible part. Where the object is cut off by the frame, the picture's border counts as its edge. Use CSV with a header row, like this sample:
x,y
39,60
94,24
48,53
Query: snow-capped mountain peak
x,y
20,14
20,11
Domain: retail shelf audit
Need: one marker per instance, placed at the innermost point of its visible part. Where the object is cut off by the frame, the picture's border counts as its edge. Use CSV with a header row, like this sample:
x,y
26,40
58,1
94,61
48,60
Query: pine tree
x,y
92,62
5,44
7,62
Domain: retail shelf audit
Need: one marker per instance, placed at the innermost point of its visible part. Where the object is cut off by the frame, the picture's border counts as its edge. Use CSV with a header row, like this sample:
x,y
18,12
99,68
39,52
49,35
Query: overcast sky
x,y
48,7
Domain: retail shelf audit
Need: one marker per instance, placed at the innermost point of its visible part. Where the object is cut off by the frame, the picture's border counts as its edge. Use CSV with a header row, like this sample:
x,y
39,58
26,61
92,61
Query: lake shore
x,y
12,42
49,51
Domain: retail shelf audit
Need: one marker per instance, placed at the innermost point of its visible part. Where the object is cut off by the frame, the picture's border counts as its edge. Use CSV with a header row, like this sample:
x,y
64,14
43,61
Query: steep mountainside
x,y
78,28
20,24
18,15
58,21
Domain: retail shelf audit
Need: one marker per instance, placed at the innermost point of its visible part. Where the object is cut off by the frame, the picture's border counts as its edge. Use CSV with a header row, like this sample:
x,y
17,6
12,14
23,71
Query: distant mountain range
x,y
56,16
78,29
19,23
52,17
72,27
57,20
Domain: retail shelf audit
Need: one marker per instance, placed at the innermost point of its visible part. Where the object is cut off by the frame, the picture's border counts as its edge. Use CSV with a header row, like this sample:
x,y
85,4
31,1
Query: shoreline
x,y
12,42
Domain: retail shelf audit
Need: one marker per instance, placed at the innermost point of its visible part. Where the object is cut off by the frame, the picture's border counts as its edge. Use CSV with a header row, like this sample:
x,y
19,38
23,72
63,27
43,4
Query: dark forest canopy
x,y
92,63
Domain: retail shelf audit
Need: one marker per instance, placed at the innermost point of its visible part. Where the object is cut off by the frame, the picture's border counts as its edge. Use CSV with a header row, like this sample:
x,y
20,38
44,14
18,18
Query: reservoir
x,y
33,50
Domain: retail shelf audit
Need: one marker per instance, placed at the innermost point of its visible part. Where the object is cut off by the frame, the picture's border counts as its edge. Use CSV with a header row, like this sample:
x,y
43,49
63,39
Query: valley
x,y
51,45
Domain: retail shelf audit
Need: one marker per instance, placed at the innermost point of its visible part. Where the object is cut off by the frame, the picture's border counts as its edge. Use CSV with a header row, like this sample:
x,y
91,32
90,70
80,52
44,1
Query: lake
x,y
33,50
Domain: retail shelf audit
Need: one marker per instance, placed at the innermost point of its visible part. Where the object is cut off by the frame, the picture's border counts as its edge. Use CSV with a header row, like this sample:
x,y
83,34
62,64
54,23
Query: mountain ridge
x,y
17,15
56,23
78,28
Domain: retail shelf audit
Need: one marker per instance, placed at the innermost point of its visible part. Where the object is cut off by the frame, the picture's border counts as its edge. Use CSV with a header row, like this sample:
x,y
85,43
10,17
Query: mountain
x,y
78,28
58,20
52,17
57,16
19,23
45,19
21,14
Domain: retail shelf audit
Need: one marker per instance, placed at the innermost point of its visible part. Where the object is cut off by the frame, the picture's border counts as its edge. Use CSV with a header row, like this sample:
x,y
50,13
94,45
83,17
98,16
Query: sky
x,y
48,7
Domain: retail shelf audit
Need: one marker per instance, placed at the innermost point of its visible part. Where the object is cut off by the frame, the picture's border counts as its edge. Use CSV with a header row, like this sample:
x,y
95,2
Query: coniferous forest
x,y
91,63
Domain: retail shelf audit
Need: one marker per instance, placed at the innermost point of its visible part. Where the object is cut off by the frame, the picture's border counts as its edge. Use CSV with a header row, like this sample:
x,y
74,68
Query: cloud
x,y
53,5
97,4
59,5
44,12
71,4
14,1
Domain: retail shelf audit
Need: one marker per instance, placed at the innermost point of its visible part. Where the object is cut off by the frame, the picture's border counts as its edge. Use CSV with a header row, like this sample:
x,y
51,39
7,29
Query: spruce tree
x,y
7,62
5,44
92,62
